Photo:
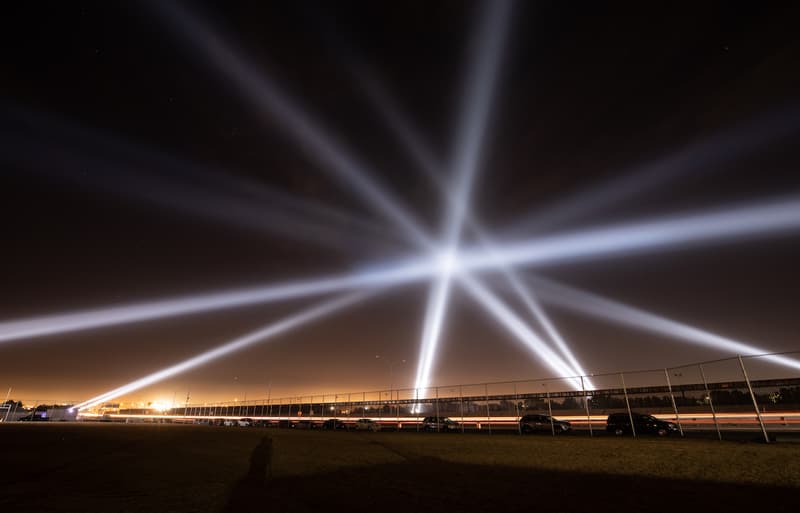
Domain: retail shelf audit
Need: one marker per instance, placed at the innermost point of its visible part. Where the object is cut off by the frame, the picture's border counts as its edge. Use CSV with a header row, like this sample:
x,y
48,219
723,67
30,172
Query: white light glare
x,y
448,263
607,309
237,344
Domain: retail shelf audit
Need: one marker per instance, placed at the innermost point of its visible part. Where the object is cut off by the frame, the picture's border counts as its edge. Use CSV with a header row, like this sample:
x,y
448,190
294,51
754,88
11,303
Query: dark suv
x,y
334,424
440,424
543,423
620,423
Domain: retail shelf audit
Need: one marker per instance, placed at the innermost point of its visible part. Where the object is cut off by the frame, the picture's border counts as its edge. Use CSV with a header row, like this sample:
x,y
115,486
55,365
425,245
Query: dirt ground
x,y
173,468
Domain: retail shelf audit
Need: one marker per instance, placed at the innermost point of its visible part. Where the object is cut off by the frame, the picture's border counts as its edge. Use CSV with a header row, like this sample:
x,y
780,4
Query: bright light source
x,y
160,406
447,262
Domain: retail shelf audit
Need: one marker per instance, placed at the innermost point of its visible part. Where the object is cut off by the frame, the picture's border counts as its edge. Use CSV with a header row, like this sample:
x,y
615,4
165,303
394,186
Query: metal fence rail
x,y
755,392
742,392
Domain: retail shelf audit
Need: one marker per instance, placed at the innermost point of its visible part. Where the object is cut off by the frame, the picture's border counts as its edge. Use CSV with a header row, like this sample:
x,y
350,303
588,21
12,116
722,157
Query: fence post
x,y
710,401
461,401
674,404
516,409
415,409
550,410
627,403
397,407
488,413
438,420
753,397
586,404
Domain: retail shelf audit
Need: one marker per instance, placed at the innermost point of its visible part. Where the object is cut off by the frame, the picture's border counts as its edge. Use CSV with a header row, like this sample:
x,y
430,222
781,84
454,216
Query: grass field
x,y
108,468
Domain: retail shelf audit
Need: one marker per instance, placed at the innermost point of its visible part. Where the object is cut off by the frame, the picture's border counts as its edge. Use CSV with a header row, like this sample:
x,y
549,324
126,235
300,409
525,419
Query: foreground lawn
x,y
111,468
709,460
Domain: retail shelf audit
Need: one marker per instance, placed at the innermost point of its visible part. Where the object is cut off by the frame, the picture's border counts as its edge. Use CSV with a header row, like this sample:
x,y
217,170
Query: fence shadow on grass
x,y
431,485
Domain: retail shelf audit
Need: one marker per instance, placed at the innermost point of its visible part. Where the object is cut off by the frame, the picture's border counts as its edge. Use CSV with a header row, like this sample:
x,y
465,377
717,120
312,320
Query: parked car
x,y
536,423
229,422
334,424
620,423
244,422
440,424
367,425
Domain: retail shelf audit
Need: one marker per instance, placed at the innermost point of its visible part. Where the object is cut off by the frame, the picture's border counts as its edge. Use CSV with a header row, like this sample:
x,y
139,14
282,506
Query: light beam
x,y
101,162
678,231
518,328
148,311
261,335
693,229
607,309
265,95
467,154
703,158
407,135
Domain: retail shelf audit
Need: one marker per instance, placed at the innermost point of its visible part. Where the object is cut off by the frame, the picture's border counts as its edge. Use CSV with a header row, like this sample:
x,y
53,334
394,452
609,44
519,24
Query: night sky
x,y
133,168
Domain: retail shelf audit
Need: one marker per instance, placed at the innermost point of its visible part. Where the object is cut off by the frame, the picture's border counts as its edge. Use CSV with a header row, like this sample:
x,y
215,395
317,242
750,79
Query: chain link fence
x,y
756,393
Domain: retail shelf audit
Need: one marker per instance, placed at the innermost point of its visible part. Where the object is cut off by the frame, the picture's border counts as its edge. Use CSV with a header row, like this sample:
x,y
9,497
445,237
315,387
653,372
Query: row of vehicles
x,y
617,423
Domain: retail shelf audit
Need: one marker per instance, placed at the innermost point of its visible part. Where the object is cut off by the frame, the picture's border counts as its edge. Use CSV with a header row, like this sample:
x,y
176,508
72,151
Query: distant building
x,y
61,413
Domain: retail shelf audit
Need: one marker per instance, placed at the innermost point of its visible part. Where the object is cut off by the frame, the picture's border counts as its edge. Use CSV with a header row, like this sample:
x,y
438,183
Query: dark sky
x,y
135,169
